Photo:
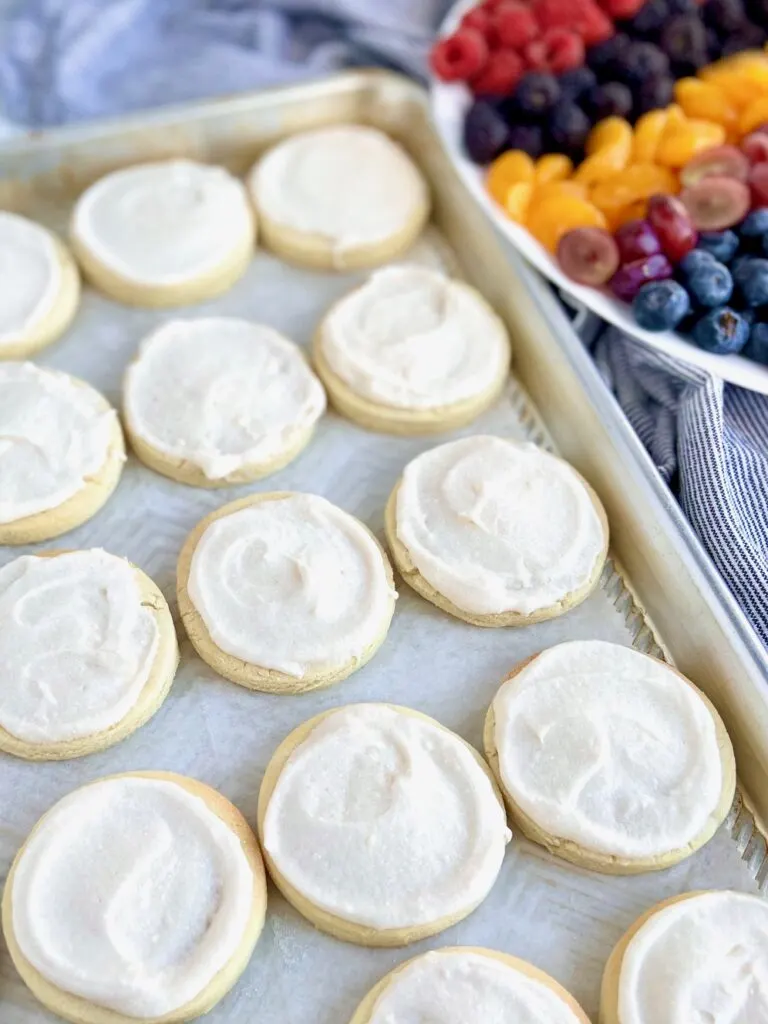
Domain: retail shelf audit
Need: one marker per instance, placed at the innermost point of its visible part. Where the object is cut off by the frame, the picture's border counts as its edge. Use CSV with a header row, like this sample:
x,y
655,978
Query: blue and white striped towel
x,y
67,60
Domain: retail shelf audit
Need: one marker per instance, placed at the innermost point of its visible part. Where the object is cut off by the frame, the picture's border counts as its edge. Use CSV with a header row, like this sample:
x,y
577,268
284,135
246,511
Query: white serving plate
x,y
449,104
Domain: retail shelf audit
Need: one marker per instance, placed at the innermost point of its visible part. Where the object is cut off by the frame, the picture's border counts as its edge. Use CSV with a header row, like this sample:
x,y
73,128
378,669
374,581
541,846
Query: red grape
x,y
629,279
716,203
672,223
719,161
588,255
636,239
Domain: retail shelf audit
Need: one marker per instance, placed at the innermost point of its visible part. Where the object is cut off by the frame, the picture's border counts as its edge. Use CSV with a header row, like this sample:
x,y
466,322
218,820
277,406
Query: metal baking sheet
x,y
563,919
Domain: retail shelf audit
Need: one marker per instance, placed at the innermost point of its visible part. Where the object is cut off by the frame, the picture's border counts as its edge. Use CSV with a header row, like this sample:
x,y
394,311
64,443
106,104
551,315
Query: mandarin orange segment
x,y
704,100
550,219
610,133
508,169
753,115
634,184
517,200
731,79
635,211
647,135
553,167
554,189
681,141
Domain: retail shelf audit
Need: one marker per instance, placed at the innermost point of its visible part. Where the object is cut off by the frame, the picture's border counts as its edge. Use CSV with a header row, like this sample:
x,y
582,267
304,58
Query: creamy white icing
x,y
132,894
497,526
164,223
411,337
609,748
54,434
294,584
351,184
76,644
703,960
31,275
454,986
221,393
385,819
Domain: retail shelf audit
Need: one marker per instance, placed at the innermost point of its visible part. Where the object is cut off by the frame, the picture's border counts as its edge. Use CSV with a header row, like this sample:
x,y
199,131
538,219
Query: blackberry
x,y
576,82
528,137
607,58
537,93
684,40
642,62
613,99
649,20
724,16
485,132
570,127
748,37
655,93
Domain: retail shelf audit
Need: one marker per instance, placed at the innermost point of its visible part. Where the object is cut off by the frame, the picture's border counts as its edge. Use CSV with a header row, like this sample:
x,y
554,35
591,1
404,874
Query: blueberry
x,y
528,137
737,263
613,99
607,58
710,284
753,229
653,94
485,132
749,37
569,128
749,315
577,81
721,244
693,260
648,21
721,331
537,93
751,278
757,346
724,15
661,305
641,63
684,40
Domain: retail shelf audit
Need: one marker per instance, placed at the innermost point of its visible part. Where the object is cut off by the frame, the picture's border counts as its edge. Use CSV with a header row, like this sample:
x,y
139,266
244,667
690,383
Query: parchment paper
x,y
562,919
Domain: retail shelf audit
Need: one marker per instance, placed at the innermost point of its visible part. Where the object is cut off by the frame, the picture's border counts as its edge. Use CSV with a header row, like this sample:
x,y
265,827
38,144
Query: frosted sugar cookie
x,y
219,401
164,234
412,351
495,532
379,825
458,984
61,452
139,897
341,197
610,758
40,290
698,957
284,592
87,653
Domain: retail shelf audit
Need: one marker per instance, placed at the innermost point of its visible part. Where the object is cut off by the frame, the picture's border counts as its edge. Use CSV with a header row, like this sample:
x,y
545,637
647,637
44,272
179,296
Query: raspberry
x,y
593,25
500,76
557,13
478,18
459,57
558,50
621,9
514,24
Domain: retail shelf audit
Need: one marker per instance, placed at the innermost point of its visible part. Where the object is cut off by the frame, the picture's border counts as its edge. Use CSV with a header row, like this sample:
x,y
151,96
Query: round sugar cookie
x,y
496,532
137,899
342,198
702,956
412,351
284,592
88,653
457,984
609,758
164,234
219,401
41,287
62,455
379,825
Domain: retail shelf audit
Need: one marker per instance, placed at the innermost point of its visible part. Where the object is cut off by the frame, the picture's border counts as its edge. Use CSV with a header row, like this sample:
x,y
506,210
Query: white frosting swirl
x,y
76,644
455,986
30,272
221,393
608,748
703,960
132,894
385,819
350,184
497,526
292,584
411,337
54,434
164,223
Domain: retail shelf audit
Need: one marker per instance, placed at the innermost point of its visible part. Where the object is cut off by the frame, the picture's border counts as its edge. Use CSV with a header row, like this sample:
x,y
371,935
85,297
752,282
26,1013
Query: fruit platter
x,y
622,147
